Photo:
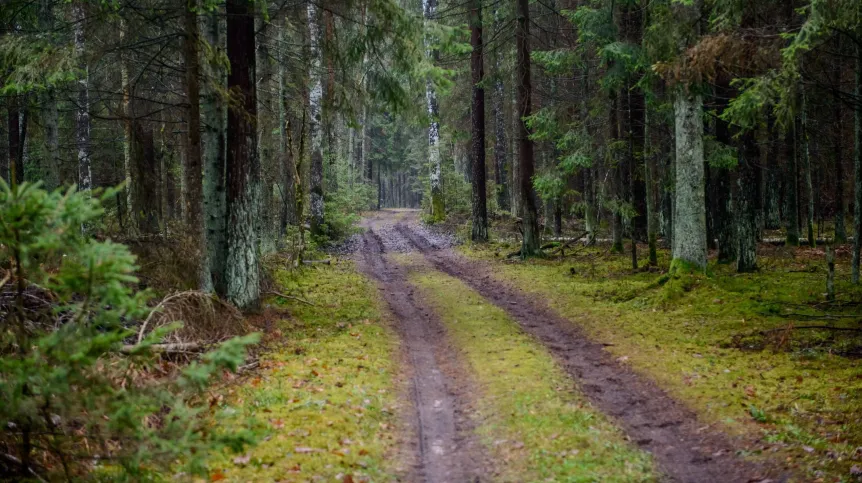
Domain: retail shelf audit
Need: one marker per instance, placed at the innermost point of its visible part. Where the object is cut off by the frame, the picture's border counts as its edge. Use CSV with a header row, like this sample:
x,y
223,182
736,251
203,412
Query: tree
x,y
501,177
82,115
438,209
479,206
243,165
194,160
315,128
531,242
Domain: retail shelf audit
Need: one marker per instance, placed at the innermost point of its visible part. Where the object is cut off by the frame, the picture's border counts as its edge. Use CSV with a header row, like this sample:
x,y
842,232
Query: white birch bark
x,y
82,113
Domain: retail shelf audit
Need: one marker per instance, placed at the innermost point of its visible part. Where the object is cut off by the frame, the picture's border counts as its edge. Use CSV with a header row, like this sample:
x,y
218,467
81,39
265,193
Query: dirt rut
x,y
685,450
445,448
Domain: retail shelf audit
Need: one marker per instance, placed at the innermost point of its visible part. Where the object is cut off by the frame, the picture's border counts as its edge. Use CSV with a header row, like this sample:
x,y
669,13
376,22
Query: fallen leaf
x,y
217,476
242,460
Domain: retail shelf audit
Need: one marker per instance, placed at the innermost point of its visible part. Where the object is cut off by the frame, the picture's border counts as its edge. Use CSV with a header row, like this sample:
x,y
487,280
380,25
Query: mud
x,y
445,448
685,449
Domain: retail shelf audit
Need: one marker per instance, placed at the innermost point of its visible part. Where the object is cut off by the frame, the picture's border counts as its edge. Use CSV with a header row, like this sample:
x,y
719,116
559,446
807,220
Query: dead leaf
x,y
217,476
242,460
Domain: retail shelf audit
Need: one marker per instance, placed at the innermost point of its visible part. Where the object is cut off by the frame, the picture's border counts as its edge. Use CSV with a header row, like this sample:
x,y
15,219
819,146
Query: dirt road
x,y
684,449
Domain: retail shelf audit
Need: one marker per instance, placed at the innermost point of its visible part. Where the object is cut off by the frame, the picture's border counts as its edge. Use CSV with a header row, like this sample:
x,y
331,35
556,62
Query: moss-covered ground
x,y
533,424
729,345
326,394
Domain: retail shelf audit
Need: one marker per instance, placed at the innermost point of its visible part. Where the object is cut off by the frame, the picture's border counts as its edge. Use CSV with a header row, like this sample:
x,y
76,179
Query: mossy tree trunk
x,y
689,225
214,115
438,208
746,199
243,164
531,243
315,126
501,176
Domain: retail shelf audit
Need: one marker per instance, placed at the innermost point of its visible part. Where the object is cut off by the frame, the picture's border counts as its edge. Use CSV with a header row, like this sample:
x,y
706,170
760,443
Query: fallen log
x,y
171,347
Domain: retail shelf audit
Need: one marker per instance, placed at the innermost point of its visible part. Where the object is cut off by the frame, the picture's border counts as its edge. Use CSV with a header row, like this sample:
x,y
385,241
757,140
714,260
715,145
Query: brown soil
x,y
685,449
445,448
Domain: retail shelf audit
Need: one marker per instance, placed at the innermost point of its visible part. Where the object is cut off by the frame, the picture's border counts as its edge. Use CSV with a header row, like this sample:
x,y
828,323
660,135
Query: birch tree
x,y
315,128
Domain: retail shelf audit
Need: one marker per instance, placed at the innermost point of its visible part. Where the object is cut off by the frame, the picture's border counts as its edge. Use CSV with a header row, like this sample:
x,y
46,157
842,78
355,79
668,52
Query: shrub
x,y
76,402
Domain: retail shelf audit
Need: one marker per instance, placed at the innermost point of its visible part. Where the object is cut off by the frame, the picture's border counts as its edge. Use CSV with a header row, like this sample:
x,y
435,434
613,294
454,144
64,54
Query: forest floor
x,y
420,361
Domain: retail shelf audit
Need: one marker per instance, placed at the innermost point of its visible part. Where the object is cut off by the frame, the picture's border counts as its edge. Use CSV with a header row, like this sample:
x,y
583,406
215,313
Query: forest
x,y
431,240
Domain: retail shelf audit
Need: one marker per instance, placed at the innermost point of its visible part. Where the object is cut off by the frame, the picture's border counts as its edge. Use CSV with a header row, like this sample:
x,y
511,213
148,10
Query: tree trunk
x,y
529,219
689,238
616,166
723,222
514,183
840,208
147,174
438,209
501,177
243,165
792,195
16,171
479,232
289,214
806,165
650,177
50,115
746,204
194,162
772,198
315,127
214,117
82,114
857,168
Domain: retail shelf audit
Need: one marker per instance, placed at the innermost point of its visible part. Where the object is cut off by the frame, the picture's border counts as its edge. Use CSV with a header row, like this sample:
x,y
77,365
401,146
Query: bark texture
x,y
315,127
243,164
82,114
529,218
857,169
746,205
214,115
689,225
438,208
194,159
479,231
501,177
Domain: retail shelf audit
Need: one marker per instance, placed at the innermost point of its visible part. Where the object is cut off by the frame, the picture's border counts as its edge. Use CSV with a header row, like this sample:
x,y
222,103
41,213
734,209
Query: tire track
x,y
685,450
446,450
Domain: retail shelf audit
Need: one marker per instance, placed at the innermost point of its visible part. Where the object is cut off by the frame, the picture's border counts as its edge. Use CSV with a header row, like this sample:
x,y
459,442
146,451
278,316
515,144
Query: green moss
x,y
326,398
530,419
699,337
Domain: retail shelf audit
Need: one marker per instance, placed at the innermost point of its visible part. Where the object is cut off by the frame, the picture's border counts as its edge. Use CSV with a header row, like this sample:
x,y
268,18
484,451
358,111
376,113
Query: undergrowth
x,y
726,343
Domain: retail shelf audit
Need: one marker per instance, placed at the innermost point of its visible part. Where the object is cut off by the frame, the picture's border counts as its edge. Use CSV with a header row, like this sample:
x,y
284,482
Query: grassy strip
x,y
531,420
325,400
693,334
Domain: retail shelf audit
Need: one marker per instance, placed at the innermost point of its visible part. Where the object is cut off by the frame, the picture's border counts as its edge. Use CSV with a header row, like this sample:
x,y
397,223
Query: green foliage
x,y
555,62
720,155
343,208
74,399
